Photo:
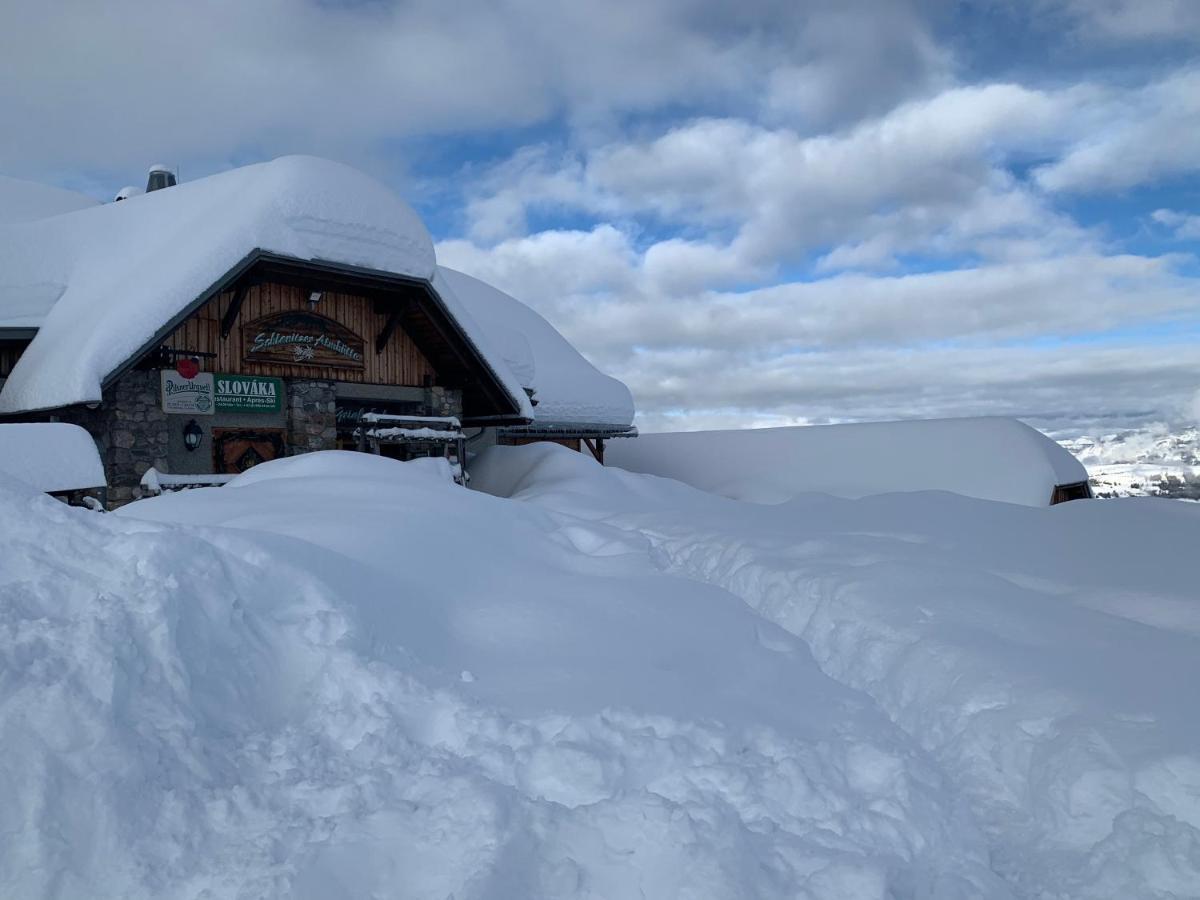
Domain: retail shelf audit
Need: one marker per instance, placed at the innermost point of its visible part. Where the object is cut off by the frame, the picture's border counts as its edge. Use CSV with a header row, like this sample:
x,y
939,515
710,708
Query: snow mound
x,y
989,458
1042,658
27,201
569,389
312,690
102,282
50,456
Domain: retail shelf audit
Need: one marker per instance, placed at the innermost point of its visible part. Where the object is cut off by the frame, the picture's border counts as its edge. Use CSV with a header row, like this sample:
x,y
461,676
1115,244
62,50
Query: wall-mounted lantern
x,y
192,435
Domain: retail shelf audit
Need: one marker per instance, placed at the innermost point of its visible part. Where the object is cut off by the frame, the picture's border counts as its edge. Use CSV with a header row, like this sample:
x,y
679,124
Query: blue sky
x,y
761,213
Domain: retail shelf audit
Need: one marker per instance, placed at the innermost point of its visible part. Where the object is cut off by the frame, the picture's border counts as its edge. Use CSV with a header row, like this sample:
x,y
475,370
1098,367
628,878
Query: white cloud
x,y
1184,226
1124,20
926,177
854,345
108,87
1131,137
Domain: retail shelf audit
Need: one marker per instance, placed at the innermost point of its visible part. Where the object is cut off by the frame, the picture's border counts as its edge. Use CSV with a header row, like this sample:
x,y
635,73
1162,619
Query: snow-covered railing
x,y
373,418
412,434
156,482
387,428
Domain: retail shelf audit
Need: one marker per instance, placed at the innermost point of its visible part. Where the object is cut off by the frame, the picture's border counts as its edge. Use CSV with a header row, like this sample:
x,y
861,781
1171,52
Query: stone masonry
x,y
441,401
130,430
312,416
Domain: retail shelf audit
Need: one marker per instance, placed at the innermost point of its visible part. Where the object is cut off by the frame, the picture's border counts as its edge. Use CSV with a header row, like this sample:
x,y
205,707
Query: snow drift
x,y
989,458
50,456
1043,658
343,676
348,677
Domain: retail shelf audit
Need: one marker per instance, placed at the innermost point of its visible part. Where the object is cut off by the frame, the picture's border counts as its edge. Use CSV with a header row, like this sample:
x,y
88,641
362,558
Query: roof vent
x,y
128,191
160,177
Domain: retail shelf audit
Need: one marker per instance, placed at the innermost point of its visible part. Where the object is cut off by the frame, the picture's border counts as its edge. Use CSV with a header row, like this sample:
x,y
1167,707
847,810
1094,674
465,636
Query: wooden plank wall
x,y
401,363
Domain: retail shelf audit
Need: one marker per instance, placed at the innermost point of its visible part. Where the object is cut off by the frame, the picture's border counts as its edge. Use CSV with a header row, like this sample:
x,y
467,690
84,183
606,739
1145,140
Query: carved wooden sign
x,y
301,339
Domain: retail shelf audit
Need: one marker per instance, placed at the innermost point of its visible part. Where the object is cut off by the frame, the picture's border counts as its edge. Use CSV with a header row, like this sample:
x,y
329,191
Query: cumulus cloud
x,y
1133,137
1013,337
928,176
1184,226
100,87
1123,20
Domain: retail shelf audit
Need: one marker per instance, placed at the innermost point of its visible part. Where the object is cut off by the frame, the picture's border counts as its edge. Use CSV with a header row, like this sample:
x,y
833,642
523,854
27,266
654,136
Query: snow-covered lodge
x,y
276,309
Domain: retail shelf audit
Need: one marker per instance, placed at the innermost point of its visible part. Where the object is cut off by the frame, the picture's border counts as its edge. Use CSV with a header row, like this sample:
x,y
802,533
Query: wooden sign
x,y
301,339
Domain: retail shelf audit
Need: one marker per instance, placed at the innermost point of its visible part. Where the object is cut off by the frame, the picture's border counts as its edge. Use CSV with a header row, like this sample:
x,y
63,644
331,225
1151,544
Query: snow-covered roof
x,y
102,282
990,458
27,201
569,390
50,456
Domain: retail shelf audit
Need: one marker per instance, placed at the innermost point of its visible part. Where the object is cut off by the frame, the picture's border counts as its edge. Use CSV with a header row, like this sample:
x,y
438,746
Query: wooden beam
x,y
231,314
592,447
389,327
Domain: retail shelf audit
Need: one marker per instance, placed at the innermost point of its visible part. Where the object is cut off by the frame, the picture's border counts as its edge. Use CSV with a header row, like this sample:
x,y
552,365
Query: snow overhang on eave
x,y
571,430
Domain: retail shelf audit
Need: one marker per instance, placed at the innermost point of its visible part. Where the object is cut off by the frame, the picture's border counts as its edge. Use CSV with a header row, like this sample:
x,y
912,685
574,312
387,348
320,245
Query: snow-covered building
x,y
989,457
274,309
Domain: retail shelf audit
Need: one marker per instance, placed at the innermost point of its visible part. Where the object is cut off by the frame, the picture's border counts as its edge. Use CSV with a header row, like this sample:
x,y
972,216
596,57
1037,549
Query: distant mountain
x,y
1155,461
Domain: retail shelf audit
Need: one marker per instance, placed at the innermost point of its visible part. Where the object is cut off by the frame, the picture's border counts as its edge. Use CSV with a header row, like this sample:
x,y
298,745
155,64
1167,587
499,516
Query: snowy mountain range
x,y
1155,461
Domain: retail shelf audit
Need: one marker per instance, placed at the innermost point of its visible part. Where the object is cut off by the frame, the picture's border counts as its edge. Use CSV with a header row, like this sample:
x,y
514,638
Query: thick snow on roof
x,y
50,456
491,346
104,281
27,201
989,458
569,389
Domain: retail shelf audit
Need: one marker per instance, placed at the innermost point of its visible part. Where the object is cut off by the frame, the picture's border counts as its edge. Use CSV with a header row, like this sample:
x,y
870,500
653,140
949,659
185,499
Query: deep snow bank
x,y
346,677
1046,658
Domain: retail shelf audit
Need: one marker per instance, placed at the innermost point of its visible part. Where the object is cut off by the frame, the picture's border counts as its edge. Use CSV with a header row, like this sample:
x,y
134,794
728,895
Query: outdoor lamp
x,y
192,435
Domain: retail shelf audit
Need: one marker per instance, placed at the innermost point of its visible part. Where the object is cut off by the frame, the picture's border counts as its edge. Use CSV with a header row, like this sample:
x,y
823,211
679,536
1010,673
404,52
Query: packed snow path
x,y
1046,658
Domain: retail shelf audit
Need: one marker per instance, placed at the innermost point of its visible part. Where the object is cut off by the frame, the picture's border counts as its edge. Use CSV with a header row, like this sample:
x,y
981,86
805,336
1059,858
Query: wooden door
x,y
238,449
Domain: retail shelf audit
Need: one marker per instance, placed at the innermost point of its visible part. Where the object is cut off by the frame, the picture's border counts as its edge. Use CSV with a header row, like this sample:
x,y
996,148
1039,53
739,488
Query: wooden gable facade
x,y
323,321
265,307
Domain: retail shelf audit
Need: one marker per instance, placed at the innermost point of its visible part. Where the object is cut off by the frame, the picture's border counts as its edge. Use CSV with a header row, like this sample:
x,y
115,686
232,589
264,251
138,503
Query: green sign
x,y
248,394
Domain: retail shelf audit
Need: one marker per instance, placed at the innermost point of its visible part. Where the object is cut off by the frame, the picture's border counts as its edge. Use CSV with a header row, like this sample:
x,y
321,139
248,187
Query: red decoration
x,y
186,367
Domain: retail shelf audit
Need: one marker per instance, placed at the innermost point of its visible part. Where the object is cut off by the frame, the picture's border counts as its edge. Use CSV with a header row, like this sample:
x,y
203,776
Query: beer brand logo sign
x,y
302,338
187,396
